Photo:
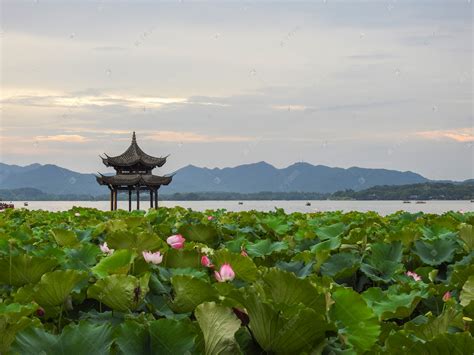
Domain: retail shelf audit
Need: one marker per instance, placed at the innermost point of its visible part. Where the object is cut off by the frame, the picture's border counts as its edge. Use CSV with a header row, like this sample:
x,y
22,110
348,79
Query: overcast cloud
x,y
384,84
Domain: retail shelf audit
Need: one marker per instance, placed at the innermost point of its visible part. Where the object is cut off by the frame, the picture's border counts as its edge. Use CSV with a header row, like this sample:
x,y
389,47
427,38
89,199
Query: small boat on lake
x,y
241,203
25,203
308,203
406,201
420,202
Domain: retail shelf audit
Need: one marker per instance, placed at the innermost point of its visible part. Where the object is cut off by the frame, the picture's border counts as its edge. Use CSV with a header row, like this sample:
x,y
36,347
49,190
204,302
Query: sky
x,y
376,84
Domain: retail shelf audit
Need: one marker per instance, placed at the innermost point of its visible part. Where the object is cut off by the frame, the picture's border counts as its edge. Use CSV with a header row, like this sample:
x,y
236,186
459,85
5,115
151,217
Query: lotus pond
x,y
176,281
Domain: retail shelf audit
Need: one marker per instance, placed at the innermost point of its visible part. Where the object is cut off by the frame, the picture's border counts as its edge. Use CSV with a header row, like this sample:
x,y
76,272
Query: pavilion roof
x,y
132,156
134,180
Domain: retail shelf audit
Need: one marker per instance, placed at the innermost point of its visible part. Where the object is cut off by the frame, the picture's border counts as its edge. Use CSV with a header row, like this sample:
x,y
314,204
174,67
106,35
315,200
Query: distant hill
x,y
249,178
302,177
426,191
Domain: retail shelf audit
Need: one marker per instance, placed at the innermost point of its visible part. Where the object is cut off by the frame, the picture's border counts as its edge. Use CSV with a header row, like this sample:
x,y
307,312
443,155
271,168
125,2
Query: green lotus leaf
x,y
182,258
189,292
54,287
340,265
392,303
82,258
211,317
467,293
276,224
64,237
330,244
435,252
202,233
14,318
120,292
243,266
455,343
132,338
24,269
299,268
427,328
265,247
81,339
331,231
384,262
290,330
284,287
117,263
138,242
170,337
355,320
466,233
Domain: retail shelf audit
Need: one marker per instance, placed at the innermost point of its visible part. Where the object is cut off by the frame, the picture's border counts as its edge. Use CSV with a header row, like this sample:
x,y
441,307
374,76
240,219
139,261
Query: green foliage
x,y
313,283
212,317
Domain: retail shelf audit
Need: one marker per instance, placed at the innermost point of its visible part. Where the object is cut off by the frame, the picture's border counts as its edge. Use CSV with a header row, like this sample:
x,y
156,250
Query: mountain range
x,y
248,178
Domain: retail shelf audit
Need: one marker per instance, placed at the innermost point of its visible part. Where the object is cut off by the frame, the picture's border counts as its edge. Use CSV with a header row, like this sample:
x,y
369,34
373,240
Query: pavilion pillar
x,y
138,198
129,199
151,198
156,198
111,199
115,199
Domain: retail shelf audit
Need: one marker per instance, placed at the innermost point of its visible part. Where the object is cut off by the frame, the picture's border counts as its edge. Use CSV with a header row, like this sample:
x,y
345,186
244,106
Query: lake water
x,y
382,207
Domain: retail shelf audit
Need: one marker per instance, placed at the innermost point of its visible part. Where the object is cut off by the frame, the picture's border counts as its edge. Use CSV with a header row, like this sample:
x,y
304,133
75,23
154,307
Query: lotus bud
x,y
226,273
447,296
176,241
40,312
105,249
206,262
244,317
243,252
210,218
154,258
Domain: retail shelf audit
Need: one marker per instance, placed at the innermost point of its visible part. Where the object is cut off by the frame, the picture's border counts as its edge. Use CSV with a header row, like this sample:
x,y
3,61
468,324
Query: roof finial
x,y
134,138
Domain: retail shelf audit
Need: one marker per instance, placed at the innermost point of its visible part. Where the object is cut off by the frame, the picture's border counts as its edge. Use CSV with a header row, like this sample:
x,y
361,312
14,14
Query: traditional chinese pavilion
x,y
133,173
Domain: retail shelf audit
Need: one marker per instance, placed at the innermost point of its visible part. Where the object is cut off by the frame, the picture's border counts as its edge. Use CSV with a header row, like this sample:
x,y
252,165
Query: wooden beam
x,y
138,198
156,198
111,199
115,200
151,198
129,200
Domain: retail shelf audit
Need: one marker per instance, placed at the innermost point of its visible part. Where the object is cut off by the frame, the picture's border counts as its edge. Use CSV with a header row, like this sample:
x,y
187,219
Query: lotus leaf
x,y
212,316
81,339
436,252
190,292
120,292
54,287
65,238
117,263
355,319
24,269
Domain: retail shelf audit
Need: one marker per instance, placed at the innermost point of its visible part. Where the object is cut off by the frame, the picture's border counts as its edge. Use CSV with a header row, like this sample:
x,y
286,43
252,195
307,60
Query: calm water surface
x,y
382,207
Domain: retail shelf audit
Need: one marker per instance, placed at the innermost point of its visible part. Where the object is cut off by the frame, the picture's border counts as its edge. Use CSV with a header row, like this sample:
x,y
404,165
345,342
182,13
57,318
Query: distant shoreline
x,y
413,192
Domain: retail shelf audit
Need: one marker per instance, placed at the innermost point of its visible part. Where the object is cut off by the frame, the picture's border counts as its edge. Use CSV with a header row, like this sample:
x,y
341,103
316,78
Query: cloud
x,y
70,138
458,135
289,107
192,137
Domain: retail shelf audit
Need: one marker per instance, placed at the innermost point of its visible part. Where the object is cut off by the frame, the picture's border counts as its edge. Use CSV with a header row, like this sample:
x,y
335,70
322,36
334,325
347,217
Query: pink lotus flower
x,y
206,262
447,296
413,275
243,252
105,249
176,241
210,218
225,274
154,258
